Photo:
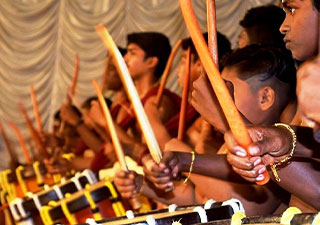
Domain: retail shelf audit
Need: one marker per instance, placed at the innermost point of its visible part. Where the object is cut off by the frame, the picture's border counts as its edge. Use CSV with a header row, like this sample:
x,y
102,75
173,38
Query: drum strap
x,y
36,167
20,180
71,218
116,204
93,206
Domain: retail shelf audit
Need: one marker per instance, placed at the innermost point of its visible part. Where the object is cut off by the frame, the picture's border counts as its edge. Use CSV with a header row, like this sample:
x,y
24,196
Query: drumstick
x,y
104,75
73,86
166,72
22,143
36,109
115,140
35,136
7,144
185,95
132,94
233,117
212,45
110,128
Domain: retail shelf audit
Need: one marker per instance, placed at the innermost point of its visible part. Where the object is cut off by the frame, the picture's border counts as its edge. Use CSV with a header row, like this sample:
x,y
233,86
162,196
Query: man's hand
x,y
270,145
163,174
211,110
128,184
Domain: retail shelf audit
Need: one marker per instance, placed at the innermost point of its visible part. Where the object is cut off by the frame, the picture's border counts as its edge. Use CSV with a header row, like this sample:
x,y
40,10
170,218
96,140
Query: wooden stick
x,y
212,31
105,74
35,135
132,93
72,89
22,143
166,72
36,109
185,95
7,144
134,201
110,128
233,117
75,78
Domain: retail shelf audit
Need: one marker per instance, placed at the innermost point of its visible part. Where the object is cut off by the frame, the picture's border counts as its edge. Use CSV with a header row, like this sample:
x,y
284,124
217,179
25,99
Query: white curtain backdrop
x,y
38,40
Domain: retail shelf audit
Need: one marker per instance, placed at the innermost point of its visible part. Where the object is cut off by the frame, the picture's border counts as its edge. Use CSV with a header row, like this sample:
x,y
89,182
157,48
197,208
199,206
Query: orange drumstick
x,y
35,135
166,72
72,89
7,144
185,95
22,143
110,127
36,109
75,78
233,117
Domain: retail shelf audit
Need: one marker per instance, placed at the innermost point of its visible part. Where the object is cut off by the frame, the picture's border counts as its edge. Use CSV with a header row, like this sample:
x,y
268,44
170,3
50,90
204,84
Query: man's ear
x,y
267,98
152,62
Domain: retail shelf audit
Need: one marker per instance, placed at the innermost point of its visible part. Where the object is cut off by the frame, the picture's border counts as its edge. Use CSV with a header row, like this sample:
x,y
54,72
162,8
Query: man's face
x,y
113,81
300,28
243,39
245,100
181,69
135,60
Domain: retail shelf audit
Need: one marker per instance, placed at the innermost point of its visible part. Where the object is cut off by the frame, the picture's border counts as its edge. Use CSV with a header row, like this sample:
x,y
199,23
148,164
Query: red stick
x,y
166,72
7,144
72,89
185,95
22,143
233,117
35,135
36,109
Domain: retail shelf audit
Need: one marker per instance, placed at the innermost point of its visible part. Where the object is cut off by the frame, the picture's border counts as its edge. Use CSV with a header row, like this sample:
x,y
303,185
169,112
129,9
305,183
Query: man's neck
x,y
144,83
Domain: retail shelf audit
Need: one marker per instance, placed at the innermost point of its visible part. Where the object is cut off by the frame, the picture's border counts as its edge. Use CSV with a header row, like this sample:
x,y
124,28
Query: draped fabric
x,y
39,39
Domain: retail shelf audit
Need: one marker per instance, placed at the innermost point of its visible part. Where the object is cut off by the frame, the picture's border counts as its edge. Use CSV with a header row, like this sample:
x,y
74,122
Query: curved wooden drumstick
x,y
166,72
110,128
185,95
35,135
233,117
72,89
22,143
7,144
36,109
132,93
114,137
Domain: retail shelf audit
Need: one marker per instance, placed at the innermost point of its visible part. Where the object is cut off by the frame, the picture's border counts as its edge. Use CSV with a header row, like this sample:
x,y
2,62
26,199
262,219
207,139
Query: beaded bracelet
x,y
287,158
193,157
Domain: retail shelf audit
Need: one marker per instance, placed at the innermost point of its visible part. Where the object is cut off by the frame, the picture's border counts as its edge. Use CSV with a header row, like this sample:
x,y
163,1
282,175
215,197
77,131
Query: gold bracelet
x,y
193,157
287,158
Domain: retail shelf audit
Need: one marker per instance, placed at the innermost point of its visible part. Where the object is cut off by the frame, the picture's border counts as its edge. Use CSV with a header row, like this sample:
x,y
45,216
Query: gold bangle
x,y
193,157
287,158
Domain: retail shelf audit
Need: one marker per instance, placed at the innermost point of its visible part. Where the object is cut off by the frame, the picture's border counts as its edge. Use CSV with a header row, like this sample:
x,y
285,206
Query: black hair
x,y
87,103
224,45
267,63
57,113
316,4
262,25
123,51
154,44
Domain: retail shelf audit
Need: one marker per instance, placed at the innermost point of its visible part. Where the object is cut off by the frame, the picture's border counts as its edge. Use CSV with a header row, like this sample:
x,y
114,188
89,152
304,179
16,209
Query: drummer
x,y
262,85
278,143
